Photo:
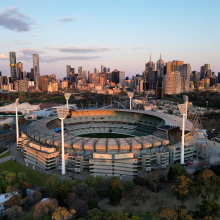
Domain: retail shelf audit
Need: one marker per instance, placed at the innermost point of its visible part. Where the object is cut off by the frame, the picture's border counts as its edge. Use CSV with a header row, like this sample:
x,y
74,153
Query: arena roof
x,y
24,108
39,131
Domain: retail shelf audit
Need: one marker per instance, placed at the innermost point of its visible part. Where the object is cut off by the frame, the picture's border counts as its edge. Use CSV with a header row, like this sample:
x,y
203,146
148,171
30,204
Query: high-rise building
x,y
80,70
185,77
96,70
160,71
205,71
44,82
102,68
20,70
150,64
175,65
152,78
36,68
68,69
13,64
118,77
169,83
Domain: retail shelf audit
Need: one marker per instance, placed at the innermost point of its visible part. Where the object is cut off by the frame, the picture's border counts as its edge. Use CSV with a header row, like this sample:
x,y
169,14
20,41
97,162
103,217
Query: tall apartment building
x,y
170,83
80,70
44,82
118,77
12,56
172,66
36,68
160,71
68,69
185,77
20,70
205,71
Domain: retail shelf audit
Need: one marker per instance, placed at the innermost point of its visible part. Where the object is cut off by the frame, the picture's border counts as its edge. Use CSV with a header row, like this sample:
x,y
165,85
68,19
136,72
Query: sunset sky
x,y
119,34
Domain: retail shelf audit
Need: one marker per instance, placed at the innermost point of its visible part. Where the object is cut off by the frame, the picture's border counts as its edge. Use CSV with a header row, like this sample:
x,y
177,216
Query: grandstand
x,y
144,147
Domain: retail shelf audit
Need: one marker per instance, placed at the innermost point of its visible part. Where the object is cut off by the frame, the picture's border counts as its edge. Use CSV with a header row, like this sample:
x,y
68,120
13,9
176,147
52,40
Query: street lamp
x,y
67,96
62,113
17,128
183,111
130,96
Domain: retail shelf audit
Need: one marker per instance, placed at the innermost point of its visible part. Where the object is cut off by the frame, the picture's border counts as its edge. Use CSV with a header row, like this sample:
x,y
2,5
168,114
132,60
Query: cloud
x,y
34,35
3,56
27,53
67,19
11,19
80,50
138,48
17,42
49,59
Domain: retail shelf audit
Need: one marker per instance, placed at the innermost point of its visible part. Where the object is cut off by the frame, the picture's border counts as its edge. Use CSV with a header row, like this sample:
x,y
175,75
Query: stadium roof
x,y
24,108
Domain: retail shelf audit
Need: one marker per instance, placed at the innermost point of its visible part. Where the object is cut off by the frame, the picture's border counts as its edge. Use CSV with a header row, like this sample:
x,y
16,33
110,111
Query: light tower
x,y
67,96
62,113
183,111
17,128
130,96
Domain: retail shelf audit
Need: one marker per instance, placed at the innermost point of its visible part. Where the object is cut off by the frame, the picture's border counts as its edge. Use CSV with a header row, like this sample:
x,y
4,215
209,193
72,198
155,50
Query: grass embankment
x,y
5,155
35,177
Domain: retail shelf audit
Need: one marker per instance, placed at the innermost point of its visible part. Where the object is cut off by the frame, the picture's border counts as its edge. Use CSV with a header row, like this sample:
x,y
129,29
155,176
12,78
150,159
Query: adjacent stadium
x,y
108,142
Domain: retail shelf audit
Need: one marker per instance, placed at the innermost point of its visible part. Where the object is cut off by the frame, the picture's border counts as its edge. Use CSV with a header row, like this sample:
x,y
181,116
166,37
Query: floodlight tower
x,y
62,113
183,111
67,96
17,128
130,96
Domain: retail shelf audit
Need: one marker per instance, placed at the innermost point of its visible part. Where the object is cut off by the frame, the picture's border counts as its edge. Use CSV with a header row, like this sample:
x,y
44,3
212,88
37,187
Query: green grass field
x,y
104,135
35,177
5,155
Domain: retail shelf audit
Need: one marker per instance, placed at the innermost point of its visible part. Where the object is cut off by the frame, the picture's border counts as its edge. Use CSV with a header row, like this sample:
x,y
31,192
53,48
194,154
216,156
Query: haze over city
x,y
120,35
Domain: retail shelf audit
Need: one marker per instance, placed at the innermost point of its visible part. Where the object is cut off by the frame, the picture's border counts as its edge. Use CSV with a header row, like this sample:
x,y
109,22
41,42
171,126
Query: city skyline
x,y
121,35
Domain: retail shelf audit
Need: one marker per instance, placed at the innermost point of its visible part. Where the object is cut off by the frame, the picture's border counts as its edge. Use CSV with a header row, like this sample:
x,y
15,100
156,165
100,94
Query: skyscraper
x,y
68,69
36,70
20,70
160,71
12,56
80,70
102,68
185,77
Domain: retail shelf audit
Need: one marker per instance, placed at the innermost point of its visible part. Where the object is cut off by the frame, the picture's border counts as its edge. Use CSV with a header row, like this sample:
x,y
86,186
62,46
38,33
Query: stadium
x,y
107,142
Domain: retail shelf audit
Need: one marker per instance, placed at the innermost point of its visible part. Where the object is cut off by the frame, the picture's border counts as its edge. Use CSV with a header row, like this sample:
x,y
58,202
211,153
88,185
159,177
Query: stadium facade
x,y
151,141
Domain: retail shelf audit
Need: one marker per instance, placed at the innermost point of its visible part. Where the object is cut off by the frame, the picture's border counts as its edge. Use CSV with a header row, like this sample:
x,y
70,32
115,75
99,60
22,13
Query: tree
x,y
165,214
52,185
14,212
115,196
208,210
62,213
215,169
128,185
61,193
93,203
170,214
115,192
45,208
96,214
176,170
115,183
138,194
181,189
13,201
207,183
37,196
154,179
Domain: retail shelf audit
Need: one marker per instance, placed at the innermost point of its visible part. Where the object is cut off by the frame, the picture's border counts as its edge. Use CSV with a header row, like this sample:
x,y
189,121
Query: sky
x,y
119,34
